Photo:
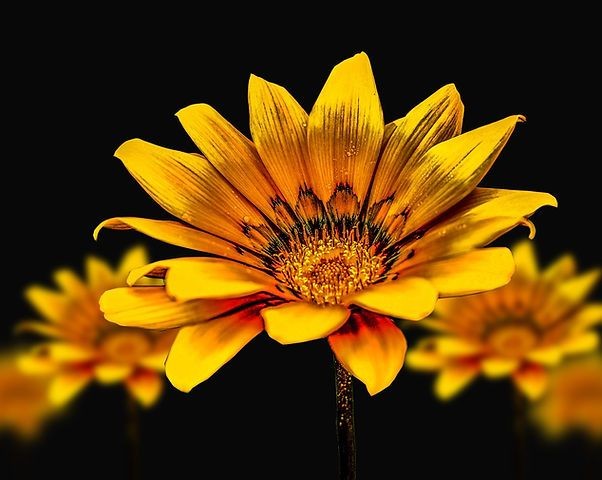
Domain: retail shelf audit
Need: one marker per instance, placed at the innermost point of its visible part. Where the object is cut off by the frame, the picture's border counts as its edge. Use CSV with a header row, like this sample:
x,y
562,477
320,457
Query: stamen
x,y
324,268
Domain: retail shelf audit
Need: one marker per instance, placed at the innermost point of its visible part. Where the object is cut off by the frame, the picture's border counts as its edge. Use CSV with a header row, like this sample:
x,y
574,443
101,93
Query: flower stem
x,y
345,422
133,438
520,439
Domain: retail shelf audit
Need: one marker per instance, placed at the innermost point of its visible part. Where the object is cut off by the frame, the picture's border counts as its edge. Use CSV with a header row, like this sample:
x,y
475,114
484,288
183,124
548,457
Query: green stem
x,y
520,438
133,438
345,422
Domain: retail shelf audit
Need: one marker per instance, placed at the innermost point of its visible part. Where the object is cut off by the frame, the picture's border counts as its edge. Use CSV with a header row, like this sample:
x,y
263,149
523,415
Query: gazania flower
x,y
520,330
326,225
573,401
83,346
24,403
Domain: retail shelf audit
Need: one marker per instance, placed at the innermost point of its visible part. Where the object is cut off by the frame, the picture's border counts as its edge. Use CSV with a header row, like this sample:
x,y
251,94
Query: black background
x,y
76,91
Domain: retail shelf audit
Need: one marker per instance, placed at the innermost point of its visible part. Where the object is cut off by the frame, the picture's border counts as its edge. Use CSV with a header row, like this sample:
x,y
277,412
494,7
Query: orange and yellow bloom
x,y
24,402
327,224
83,346
573,401
518,331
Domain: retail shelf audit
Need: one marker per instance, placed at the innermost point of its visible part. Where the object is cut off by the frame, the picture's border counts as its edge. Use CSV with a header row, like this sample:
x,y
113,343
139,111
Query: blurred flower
x,y
519,330
328,225
83,346
24,403
573,400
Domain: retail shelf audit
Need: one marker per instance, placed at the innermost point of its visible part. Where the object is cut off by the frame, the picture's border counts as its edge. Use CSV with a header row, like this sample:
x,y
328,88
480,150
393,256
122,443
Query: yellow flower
x,y
24,403
520,330
573,400
326,225
83,345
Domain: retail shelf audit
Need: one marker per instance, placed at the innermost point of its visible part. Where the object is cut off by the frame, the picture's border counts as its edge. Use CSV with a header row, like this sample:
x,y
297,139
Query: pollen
x,y
325,268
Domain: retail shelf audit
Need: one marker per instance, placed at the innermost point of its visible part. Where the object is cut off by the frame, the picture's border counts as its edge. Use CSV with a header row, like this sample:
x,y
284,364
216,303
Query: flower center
x,y
126,347
327,268
513,340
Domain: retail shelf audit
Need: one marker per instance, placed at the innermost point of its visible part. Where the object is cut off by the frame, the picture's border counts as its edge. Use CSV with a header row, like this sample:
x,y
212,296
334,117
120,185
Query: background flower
x,y
24,402
574,400
520,330
83,346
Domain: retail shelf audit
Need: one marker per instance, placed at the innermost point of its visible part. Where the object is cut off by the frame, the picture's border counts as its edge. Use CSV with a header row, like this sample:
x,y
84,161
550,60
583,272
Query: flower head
x,y
520,330
24,403
573,401
328,224
83,346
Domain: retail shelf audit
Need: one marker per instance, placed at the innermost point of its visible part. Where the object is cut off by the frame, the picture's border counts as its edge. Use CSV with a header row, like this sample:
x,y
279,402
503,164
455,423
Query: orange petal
x,y
190,188
436,119
200,350
449,171
100,275
297,322
279,130
231,153
178,234
411,298
207,278
145,386
345,130
581,343
153,308
561,269
371,347
472,272
135,257
532,380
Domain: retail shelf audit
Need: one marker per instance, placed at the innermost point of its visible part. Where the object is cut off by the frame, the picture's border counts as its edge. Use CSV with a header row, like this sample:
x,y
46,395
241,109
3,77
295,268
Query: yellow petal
x,y
146,387
231,153
296,322
436,119
135,257
200,350
562,269
345,130
525,260
410,298
279,130
37,364
371,347
68,352
455,346
99,274
581,343
548,356
49,303
532,381
207,278
153,308
70,283
108,373
453,378
588,316
190,188
155,361
180,235
449,171
578,288
40,328
496,367
424,359
472,272
68,384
